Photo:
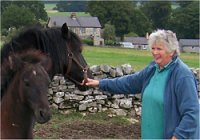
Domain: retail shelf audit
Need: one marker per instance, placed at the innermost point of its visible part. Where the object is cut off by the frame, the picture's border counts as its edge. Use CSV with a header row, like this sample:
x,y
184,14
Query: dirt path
x,y
90,130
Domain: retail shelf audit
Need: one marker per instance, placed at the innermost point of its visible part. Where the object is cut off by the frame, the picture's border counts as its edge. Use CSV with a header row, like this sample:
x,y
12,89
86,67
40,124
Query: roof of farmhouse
x,y
75,21
137,40
189,42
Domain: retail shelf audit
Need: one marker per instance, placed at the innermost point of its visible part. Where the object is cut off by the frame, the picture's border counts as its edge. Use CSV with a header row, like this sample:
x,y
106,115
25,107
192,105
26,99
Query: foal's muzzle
x,y
43,115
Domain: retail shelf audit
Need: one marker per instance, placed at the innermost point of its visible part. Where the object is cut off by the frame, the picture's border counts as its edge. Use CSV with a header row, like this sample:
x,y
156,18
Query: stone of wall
x,y
66,97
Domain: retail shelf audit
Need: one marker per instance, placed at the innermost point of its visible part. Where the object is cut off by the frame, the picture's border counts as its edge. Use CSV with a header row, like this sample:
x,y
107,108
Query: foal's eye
x,y
26,82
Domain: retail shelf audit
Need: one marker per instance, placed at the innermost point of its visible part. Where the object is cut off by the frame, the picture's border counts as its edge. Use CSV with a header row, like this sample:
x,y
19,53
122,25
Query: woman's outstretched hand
x,y
90,82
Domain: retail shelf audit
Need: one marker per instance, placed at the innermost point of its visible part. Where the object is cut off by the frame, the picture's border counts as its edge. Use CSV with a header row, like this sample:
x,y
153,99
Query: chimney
x,y
73,15
147,35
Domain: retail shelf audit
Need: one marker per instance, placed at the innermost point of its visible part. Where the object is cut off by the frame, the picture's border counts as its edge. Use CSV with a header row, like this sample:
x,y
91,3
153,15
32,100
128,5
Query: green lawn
x,y
138,59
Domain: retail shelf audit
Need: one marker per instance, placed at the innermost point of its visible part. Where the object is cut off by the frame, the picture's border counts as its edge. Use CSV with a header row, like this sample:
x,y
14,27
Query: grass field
x,y
66,14
138,59
50,6
51,12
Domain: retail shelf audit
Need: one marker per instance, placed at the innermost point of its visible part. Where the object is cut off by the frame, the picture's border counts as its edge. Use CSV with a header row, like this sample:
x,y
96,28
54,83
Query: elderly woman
x,y
170,107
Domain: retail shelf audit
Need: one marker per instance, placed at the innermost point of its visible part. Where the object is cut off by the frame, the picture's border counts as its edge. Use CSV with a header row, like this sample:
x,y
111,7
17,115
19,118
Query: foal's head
x,y
33,81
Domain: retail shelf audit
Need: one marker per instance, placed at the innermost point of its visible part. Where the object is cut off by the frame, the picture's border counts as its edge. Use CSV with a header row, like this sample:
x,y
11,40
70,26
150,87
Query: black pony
x,y
62,45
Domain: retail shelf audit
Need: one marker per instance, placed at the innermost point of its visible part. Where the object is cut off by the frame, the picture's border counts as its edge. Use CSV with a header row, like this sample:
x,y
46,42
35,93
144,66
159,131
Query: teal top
x,y
153,105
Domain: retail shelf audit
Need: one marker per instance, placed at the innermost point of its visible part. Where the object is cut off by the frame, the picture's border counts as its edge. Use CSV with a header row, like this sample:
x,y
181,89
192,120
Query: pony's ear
x,y
46,63
15,63
65,31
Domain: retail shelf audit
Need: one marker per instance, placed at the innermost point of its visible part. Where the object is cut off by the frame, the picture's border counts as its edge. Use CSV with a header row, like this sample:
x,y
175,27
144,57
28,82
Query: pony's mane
x,y
7,74
49,40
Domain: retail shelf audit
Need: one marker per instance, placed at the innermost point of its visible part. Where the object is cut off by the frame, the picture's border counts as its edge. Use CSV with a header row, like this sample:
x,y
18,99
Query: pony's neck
x,y
15,115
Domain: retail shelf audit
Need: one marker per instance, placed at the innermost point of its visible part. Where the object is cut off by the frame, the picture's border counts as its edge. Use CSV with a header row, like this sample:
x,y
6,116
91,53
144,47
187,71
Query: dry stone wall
x,y
66,97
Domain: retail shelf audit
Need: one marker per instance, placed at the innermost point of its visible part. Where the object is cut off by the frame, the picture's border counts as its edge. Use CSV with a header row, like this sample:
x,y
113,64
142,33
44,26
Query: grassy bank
x,y
138,59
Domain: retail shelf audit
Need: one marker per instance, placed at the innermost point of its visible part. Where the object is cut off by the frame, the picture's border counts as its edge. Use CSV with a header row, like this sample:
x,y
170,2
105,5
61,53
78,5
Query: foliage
x,y
10,34
19,14
185,21
158,12
140,23
184,3
110,42
4,32
131,34
109,32
124,15
36,7
88,41
71,6
24,17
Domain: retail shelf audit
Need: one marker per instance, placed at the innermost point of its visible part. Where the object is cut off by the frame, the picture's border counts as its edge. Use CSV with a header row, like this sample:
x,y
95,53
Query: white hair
x,y
167,37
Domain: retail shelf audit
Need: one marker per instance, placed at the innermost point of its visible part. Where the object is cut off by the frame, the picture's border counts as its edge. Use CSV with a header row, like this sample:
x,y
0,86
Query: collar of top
x,y
167,66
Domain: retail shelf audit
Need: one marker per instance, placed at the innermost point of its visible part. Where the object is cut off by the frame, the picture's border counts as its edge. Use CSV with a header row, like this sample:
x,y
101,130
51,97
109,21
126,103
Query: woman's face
x,y
160,54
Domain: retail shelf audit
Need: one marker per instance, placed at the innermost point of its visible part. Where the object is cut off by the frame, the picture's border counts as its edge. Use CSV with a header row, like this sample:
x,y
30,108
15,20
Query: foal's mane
x,y
8,72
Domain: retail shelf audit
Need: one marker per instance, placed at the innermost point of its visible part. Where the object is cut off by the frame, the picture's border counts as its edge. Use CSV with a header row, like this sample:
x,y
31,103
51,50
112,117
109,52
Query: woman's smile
x,y
160,54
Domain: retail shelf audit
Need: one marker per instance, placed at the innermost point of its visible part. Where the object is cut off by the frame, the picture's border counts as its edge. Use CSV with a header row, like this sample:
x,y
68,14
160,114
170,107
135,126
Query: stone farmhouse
x,y
138,42
84,27
189,45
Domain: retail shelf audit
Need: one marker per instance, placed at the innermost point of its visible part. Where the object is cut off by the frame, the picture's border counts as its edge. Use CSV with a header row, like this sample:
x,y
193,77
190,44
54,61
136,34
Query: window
x,y
54,23
94,30
83,30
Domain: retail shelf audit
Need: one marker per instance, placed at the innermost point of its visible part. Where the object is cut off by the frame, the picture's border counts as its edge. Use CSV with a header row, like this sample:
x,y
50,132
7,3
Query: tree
x,y
36,7
185,21
140,23
124,15
120,17
184,3
15,16
158,12
109,32
4,5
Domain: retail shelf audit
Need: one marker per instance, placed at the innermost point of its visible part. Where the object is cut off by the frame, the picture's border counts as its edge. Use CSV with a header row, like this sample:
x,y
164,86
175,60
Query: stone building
x,y
84,27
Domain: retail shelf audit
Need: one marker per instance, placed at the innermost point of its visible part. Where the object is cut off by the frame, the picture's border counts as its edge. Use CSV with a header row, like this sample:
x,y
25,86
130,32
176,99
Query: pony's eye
x,y
26,82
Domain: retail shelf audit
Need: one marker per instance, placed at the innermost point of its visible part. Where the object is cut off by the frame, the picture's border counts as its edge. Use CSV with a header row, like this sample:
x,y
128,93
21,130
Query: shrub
x,y
88,42
4,32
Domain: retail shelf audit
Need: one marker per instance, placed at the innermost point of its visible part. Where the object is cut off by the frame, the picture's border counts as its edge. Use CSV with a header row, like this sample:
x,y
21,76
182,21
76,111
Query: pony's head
x,y
77,68
63,46
33,82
